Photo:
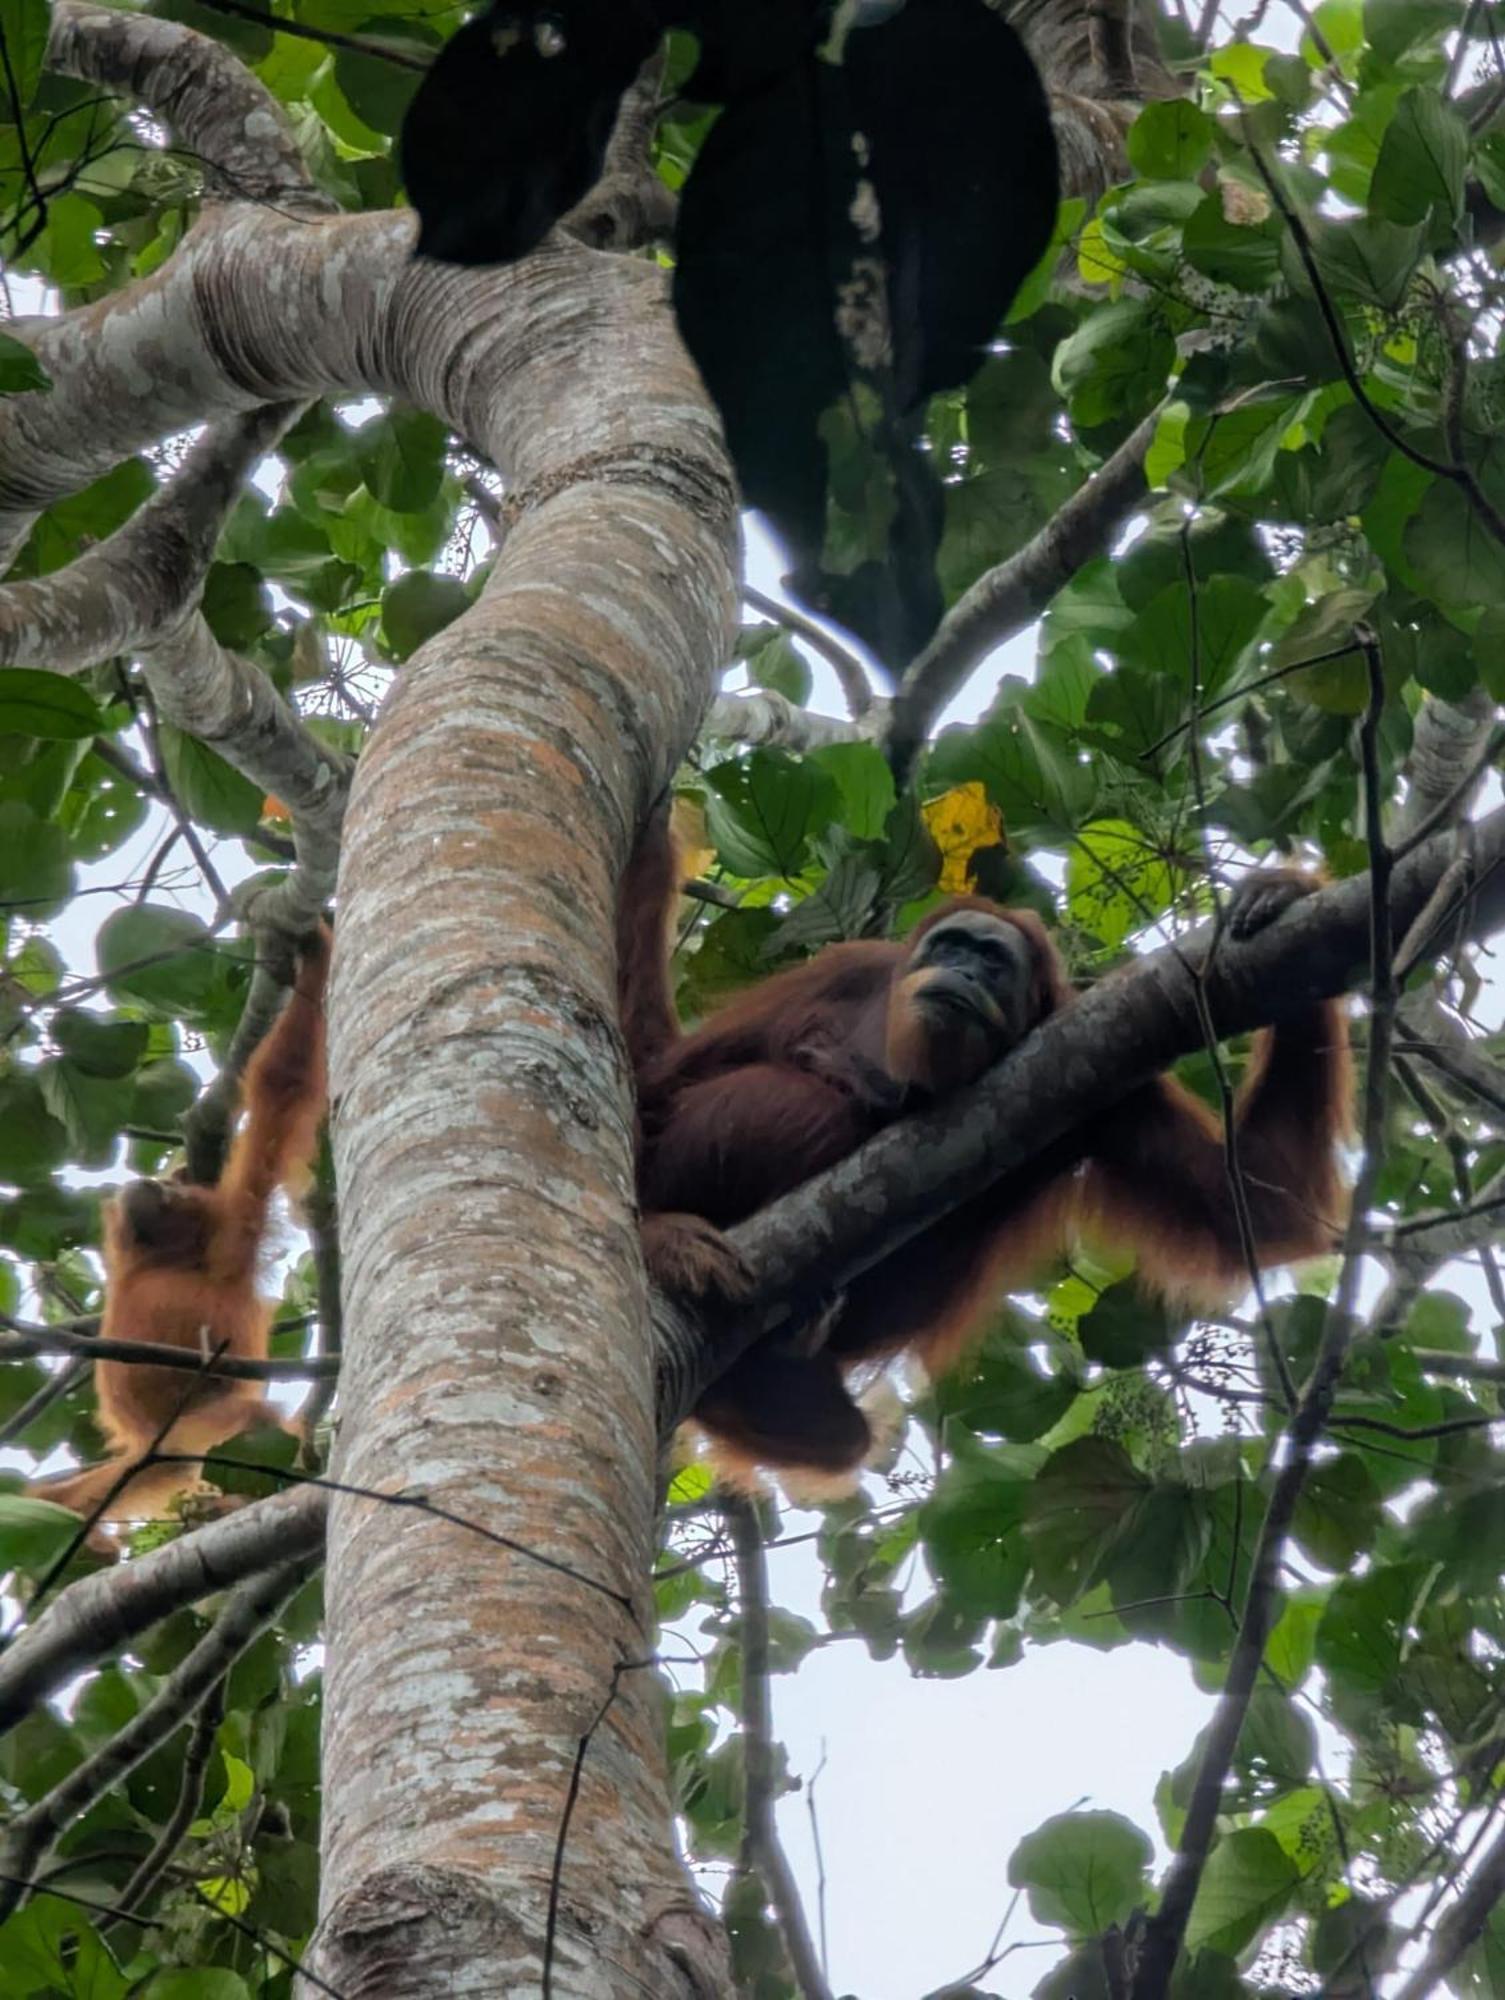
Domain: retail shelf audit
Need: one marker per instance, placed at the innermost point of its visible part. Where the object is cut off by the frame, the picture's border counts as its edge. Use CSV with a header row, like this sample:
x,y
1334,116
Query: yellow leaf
x,y
696,851
691,1483
960,822
226,1893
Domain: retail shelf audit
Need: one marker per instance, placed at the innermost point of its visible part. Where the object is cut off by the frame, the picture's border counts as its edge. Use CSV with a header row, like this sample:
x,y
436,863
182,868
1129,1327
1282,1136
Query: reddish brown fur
x,y
796,1073
180,1265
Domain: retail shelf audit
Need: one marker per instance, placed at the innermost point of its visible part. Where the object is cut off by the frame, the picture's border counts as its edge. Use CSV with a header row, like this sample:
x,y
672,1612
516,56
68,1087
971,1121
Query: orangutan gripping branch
x,y
181,1269
796,1073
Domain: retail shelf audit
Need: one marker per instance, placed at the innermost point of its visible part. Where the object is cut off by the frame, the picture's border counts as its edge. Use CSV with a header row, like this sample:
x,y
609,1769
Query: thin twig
x,y
26,1340
155,1864
1460,475
856,688
762,1851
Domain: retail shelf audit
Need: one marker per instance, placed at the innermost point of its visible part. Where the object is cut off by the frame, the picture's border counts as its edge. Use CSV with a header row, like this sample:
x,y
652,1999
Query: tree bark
x,y
500,1352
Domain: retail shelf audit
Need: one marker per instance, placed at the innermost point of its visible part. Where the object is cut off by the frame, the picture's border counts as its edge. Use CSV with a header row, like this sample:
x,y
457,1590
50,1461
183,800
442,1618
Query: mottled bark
x,y
499,1353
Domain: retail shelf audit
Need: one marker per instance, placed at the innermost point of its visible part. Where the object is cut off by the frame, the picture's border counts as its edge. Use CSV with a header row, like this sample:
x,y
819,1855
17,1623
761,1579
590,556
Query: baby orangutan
x,y
181,1271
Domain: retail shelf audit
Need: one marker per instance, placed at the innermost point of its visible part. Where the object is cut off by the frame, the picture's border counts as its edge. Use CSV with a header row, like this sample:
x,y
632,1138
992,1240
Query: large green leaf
x,y
1083,1871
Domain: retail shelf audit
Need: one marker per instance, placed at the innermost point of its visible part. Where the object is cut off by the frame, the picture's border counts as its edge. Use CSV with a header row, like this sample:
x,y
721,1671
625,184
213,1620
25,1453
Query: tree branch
x,y
30,1835
25,1341
1006,599
102,1613
848,669
765,717
1461,1925
762,1850
629,206
186,1808
212,104
148,575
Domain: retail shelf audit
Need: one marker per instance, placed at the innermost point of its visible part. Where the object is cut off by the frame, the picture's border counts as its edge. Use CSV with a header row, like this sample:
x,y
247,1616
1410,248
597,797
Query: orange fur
x,y
180,1265
796,1073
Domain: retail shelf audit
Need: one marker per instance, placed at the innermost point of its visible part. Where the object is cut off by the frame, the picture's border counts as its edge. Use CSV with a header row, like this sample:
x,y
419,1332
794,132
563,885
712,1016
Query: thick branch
x,y
1006,599
629,206
1124,1030
102,1613
1446,743
146,577
211,103
769,718
31,1834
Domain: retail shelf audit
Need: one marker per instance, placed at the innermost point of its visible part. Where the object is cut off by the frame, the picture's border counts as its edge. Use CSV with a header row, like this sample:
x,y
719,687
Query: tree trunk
x,y
499,1357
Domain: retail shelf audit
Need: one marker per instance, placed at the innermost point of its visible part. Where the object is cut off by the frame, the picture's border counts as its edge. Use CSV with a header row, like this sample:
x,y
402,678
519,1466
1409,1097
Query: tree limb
x,y
1461,1925
765,717
848,669
212,104
102,1613
146,577
1166,1929
24,1341
145,1876
762,1850
1004,600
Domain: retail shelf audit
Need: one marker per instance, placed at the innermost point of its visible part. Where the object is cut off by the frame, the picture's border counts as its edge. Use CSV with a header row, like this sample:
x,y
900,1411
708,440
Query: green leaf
x,y
1170,140
1423,162
417,606
49,1950
866,785
92,1109
1116,363
26,26
1083,1871
1339,686
999,1388
100,1044
971,1530
159,958
211,792
236,604
774,661
401,457
1367,258
1455,556
36,874
33,1534
20,370
378,92
209,1982
1125,1328
1033,773
33,703
1082,1504
1116,881
764,810
1248,1881
1338,1515
1391,27
1246,255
